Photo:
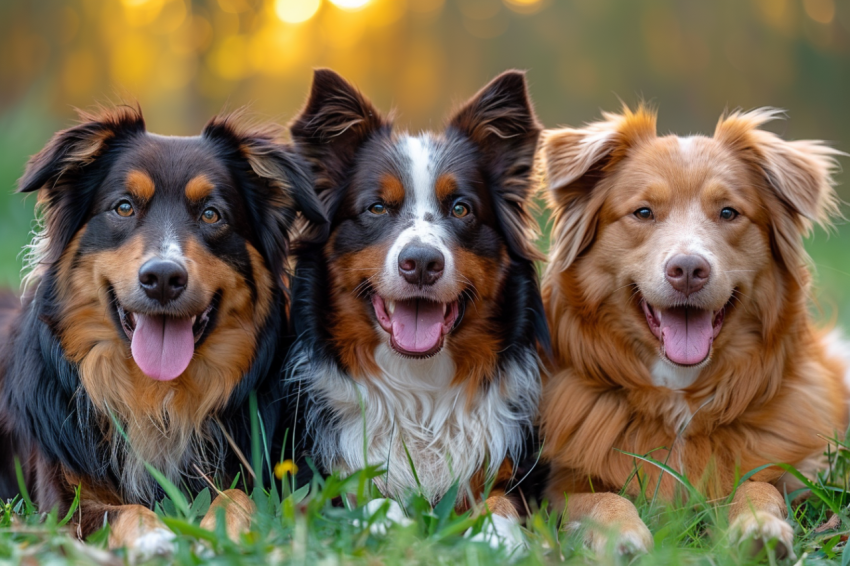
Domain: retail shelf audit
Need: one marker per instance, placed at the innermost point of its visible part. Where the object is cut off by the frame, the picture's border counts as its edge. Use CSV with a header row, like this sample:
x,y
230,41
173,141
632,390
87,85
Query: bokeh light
x,y
296,11
353,4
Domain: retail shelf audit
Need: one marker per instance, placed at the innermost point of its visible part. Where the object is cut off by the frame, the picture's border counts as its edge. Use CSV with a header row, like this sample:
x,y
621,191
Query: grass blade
x,y
22,486
692,491
172,491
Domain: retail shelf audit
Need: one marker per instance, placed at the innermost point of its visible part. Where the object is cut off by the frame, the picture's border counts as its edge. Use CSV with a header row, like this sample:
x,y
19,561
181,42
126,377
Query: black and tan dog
x,y
155,304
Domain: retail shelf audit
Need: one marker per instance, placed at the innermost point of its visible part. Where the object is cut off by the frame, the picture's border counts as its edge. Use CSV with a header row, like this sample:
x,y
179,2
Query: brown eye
x,y
124,209
644,213
729,213
459,210
210,216
378,208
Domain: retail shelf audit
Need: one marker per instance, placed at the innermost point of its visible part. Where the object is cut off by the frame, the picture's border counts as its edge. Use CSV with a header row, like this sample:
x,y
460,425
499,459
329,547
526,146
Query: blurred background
x,y
184,60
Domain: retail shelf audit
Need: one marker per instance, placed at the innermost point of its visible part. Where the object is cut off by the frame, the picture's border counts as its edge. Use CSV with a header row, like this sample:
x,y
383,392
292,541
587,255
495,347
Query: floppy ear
x,y
276,185
572,161
798,173
67,175
333,125
500,120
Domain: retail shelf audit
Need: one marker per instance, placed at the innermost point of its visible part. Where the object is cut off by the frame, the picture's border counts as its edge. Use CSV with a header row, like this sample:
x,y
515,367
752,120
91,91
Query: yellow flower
x,y
285,467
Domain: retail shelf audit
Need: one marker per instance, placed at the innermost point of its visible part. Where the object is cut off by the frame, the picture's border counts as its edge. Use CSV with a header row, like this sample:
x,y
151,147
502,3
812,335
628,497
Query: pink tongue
x,y
686,334
162,346
417,325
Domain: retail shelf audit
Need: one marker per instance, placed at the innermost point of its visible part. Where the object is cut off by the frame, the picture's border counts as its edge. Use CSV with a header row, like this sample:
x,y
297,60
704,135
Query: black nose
x,y
420,265
163,280
688,273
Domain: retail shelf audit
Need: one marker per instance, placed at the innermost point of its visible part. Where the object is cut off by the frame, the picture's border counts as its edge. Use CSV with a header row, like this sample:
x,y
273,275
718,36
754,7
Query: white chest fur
x,y
664,374
413,404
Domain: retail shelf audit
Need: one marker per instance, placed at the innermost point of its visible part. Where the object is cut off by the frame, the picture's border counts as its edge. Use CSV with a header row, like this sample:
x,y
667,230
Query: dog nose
x,y
688,273
163,280
420,265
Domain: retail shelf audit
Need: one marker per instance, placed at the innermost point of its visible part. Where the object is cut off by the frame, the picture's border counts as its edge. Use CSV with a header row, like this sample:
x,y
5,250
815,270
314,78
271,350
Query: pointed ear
x,y
798,173
276,183
66,175
572,161
500,120
333,125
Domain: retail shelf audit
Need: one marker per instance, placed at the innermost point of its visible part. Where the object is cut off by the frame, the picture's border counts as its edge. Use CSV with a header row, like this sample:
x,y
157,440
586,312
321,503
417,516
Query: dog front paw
x,y
628,538
156,543
502,532
760,527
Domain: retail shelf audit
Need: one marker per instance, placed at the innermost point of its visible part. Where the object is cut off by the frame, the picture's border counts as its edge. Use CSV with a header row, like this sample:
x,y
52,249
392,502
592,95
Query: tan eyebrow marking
x,y
445,186
140,185
199,188
392,190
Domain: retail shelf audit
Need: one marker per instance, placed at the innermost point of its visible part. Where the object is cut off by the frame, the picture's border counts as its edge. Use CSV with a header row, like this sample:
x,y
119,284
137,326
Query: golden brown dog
x,y
677,300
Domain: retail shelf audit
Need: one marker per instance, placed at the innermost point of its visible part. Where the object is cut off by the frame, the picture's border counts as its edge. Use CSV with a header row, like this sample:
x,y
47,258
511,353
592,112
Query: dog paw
x,y
761,527
155,543
501,532
380,525
624,540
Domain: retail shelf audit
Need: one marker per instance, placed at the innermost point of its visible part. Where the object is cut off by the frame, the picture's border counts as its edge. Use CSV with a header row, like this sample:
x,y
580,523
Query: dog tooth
x,y
445,306
390,307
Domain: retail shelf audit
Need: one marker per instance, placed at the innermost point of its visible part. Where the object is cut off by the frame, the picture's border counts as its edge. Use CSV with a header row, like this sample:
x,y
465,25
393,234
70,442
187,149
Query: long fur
x,y
74,405
465,411
771,385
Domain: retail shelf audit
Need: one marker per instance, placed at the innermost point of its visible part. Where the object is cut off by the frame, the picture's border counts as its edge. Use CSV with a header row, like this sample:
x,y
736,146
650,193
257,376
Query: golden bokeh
x,y
296,11
350,4
821,11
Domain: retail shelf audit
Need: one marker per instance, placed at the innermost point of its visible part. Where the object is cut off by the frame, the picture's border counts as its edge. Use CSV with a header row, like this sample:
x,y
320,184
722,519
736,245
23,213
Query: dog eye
x,y
125,209
459,210
644,213
210,216
729,213
378,208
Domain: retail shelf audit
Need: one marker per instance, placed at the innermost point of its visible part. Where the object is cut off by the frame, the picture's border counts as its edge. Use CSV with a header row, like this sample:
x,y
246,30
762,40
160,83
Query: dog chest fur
x,y
413,404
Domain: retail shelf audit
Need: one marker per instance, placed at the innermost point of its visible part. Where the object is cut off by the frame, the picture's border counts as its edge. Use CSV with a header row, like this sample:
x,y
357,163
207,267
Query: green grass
x,y
311,526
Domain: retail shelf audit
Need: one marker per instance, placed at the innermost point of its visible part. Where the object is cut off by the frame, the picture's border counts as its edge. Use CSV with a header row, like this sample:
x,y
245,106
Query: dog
x,y
677,301
418,319
154,305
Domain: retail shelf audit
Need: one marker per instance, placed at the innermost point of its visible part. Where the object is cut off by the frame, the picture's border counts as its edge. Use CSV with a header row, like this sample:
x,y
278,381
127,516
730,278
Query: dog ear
x,y
66,173
501,121
276,185
798,173
333,125
571,163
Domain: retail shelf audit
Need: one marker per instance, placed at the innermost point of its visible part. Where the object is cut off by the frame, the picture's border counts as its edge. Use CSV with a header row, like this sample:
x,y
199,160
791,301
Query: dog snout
x,y
421,265
163,280
687,273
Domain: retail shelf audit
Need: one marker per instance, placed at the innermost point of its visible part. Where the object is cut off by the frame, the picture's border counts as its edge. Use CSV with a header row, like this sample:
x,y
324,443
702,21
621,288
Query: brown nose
x,y
688,273
420,265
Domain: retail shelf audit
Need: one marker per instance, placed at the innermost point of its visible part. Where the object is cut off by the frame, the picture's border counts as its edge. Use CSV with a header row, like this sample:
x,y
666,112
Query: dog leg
x,y
758,514
610,521
140,531
238,511
502,528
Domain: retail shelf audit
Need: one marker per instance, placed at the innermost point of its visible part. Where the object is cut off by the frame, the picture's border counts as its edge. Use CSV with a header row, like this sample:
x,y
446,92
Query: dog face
x,y
422,225
682,232
164,248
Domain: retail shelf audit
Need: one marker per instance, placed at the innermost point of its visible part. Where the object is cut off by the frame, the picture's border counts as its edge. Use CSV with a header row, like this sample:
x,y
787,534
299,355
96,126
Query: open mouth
x,y
417,327
163,345
686,332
